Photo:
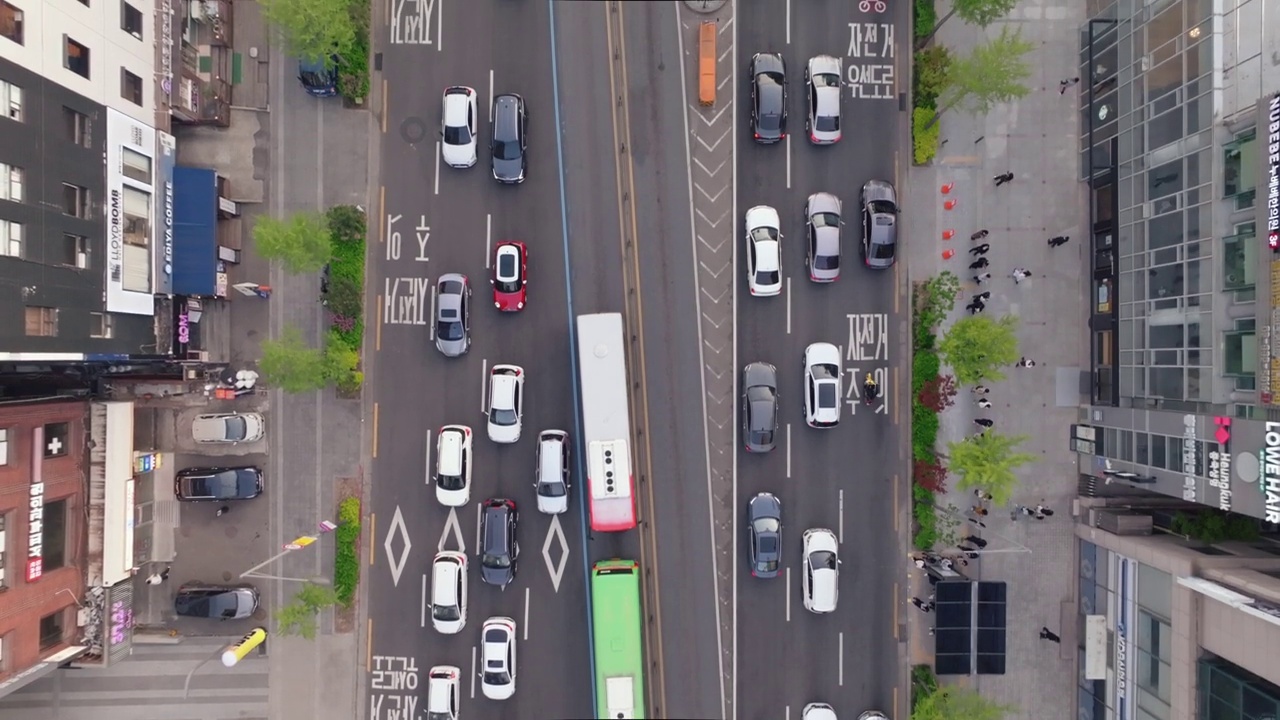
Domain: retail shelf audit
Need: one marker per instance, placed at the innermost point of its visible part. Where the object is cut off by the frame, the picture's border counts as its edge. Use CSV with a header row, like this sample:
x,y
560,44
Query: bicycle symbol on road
x,y
866,5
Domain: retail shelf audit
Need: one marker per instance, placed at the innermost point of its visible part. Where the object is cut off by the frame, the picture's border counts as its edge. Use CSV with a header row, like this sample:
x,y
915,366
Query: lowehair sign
x,y
1269,480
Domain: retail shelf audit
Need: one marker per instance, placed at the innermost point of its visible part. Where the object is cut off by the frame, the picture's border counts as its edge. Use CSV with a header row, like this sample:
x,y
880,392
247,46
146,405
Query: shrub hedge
x,y
346,296
346,559
353,63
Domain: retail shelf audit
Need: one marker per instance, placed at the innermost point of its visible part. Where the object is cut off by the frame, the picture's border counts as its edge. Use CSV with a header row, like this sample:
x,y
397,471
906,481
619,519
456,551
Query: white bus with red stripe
x,y
606,422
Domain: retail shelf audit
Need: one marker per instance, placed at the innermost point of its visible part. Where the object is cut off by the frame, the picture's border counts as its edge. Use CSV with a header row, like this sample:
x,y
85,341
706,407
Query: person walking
x,y
920,563
946,563
1051,636
1041,511
158,577
980,250
1058,240
978,510
1026,362
979,389
982,494
983,296
922,605
1064,84
984,422
984,403
975,307
975,541
979,263
1003,178
223,510
1018,275
979,235
979,279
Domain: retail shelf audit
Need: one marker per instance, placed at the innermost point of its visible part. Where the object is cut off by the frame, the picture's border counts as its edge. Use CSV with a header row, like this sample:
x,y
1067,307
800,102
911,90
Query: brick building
x,y
43,543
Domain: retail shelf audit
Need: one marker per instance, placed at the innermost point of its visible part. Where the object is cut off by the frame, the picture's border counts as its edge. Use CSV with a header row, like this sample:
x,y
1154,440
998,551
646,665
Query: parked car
x,y
509,142
228,428
216,602
218,484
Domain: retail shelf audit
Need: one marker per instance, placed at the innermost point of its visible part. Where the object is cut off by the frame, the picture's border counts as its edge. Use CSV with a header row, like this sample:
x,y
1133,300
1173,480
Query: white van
x,y
552,481
449,592
453,466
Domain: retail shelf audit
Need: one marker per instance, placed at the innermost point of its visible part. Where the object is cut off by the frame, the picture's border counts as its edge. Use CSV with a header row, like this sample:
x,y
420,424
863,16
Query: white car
x,y
819,711
458,127
449,592
821,580
443,692
822,77
868,715
453,465
822,383
498,658
552,480
228,428
764,251
506,403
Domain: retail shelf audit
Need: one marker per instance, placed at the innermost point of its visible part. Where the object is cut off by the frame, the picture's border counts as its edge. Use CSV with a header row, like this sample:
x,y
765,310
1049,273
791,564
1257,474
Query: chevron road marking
x,y
714,273
715,298
711,173
708,220
712,121
717,326
715,248
713,146
708,196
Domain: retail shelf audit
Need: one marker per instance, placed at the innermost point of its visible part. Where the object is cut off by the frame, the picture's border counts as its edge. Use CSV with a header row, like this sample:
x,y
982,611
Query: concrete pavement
x,y
1036,138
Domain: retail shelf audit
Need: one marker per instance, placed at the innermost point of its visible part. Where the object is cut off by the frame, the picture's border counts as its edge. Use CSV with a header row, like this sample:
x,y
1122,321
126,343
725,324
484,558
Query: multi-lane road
x,y
606,214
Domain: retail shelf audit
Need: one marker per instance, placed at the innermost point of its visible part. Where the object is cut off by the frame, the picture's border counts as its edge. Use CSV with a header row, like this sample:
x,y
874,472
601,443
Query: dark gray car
x,y
759,406
822,253
764,527
509,142
768,98
499,551
216,602
453,315
879,224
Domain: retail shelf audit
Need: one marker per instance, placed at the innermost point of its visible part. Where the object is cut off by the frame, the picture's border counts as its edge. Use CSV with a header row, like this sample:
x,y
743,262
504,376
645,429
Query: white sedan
x,y
443,692
458,127
764,251
498,658
506,403
822,381
819,711
229,428
820,581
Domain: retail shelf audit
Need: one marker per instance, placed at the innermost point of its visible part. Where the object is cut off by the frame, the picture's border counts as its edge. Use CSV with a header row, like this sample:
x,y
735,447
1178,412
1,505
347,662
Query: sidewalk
x,y
1036,138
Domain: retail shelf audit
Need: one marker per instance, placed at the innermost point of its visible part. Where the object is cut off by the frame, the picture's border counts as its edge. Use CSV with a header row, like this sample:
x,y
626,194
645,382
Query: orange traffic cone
x,y
948,234
947,188
948,254
949,205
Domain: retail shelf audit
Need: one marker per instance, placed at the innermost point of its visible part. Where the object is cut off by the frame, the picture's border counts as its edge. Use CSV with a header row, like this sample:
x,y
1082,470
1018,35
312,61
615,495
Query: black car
x,y
217,602
239,483
768,98
764,527
499,550
508,144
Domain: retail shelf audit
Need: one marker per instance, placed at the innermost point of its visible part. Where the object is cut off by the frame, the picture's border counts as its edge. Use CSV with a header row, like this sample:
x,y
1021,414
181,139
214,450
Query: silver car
x,y
822,77
823,249
879,224
229,428
453,315
759,407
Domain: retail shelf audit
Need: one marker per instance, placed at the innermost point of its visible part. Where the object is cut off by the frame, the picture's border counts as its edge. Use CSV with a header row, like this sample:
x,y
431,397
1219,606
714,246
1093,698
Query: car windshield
x,y
826,262
827,395
439,716
827,123
506,150
457,135
496,677
822,80
883,207
823,559
449,330
446,613
450,482
882,250
767,277
767,525
499,416
237,428
491,560
764,234
553,488
825,219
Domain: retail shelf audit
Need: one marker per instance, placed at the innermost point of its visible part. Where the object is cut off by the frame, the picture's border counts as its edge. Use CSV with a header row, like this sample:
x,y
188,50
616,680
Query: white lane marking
x,y
840,528
490,95
432,325
788,450
452,529
438,168
478,509
440,48
788,153
433,306
484,385
427,475
473,672
788,594
526,615
488,239
788,713
422,612
788,34
840,661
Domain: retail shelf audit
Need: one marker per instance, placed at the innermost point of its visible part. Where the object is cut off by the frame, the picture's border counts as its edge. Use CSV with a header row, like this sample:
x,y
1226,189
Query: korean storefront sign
x,y
1269,343
35,532
1220,462
182,331
1273,175
1189,448
1125,572
1269,482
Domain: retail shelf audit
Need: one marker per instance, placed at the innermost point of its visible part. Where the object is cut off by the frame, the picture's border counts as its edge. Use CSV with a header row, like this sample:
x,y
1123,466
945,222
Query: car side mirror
x,y
439,133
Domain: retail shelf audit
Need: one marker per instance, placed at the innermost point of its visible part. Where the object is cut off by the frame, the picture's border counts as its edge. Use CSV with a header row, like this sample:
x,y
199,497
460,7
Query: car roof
x,y
505,115
828,101
767,255
455,105
827,240
513,252
438,701
504,389
445,571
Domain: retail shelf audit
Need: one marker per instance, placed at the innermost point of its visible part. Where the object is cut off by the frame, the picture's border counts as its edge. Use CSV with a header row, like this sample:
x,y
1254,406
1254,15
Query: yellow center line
x,y
375,429
377,332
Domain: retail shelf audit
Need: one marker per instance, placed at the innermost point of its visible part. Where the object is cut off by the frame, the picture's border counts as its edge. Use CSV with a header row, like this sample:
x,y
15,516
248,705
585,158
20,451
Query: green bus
x,y
616,619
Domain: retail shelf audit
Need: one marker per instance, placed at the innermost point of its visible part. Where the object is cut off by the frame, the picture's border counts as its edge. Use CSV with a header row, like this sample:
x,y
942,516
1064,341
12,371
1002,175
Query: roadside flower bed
x,y
929,68
346,296
346,560
931,393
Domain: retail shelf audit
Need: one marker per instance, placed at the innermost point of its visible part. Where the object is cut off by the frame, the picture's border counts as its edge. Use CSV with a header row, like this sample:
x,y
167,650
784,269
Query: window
x,y
131,19
53,534
41,321
101,325
75,200
4,460
75,57
77,126
10,182
136,166
1238,273
75,250
130,87
137,216
11,100
11,238
51,630
55,439
10,22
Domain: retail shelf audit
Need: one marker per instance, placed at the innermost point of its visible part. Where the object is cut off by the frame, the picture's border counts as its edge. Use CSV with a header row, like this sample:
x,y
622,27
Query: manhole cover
x,y
413,130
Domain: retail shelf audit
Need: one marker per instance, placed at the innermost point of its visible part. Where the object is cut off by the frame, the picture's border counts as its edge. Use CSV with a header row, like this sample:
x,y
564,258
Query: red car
x,y
510,275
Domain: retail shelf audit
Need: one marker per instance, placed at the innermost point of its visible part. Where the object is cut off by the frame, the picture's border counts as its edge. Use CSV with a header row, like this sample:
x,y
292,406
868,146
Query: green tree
x,y
956,703
991,73
976,347
298,617
302,242
986,461
292,365
975,12
312,29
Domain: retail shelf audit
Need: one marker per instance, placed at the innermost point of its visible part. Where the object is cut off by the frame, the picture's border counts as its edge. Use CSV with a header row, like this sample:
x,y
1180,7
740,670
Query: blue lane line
x,y
573,359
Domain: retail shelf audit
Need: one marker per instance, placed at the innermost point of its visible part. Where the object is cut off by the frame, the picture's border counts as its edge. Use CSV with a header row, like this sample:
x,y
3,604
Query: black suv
x,y
500,550
216,484
768,98
509,140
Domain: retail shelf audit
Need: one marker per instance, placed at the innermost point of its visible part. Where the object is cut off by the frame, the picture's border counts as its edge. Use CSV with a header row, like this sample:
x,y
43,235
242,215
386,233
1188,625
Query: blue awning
x,y
195,231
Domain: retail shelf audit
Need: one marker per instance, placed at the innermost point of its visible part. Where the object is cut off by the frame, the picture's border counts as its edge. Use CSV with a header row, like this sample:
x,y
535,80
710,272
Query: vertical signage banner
x,y
1125,572
125,133
162,228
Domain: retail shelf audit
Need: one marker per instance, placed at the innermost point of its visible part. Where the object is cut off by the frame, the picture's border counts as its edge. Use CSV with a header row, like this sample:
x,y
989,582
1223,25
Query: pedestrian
x,y
1003,178
980,389
979,263
982,494
984,422
1042,510
983,296
978,510
980,524
982,277
921,604
224,510
979,235
158,577
1023,509
984,403
963,562
975,307
966,548
1018,275
946,563
972,555
1058,240
920,563
1051,636
1026,362
1064,84
980,250
975,541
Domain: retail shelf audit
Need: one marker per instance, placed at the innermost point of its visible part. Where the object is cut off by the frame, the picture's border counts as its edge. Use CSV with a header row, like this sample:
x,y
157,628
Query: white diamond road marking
x,y
451,526
556,570
397,528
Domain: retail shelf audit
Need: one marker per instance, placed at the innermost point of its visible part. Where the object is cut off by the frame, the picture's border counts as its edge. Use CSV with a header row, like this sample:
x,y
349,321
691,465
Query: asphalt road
x,y
416,390
843,479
